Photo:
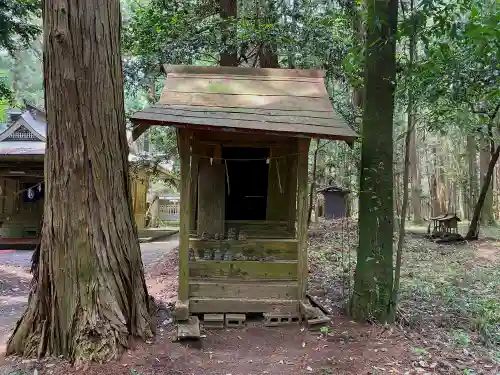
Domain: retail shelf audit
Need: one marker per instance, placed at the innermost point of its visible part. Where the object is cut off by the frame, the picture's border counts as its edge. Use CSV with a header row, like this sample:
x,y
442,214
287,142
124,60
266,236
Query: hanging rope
x,y
265,159
279,177
16,193
227,179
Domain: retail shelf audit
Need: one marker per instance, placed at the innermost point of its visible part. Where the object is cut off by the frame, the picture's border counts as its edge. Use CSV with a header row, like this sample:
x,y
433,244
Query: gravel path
x,y
15,280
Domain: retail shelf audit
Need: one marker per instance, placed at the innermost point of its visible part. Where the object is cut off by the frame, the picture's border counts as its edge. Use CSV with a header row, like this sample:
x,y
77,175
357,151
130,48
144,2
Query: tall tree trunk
x,y
228,14
436,204
291,60
91,297
473,231
355,10
268,53
373,282
312,193
442,187
472,166
404,207
416,188
487,217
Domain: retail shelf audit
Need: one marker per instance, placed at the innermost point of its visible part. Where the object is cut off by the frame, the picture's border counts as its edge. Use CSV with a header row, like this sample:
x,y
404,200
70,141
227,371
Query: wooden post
x,y
182,308
194,182
302,210
140,191
292,197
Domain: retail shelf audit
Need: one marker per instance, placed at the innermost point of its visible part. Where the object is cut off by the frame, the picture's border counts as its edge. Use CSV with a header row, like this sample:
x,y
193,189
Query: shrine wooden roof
x,y
273,101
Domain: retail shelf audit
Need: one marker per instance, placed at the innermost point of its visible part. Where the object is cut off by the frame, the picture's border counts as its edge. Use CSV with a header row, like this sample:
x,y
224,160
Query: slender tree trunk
x,y
373,282
91,297
472,164
292,47
268,53
416,188
404,207
442,187
473,231
228,14
355,11
436,205
312,193
487,217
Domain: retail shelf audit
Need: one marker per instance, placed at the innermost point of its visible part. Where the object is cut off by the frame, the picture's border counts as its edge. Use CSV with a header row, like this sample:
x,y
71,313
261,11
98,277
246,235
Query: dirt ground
x,y
342,347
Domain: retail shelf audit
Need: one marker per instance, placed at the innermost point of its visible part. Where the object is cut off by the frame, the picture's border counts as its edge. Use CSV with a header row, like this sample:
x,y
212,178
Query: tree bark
x,y
373,282
228,14
91,296
473,231
312,192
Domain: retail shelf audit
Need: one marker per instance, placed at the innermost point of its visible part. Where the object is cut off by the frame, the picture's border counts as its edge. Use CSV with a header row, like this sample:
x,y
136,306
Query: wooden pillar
x,y
194,182
302,208
292,197
140,183
182,307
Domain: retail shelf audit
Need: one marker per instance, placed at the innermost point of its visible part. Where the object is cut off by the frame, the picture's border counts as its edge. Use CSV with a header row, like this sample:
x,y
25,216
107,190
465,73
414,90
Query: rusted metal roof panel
x,y
284,101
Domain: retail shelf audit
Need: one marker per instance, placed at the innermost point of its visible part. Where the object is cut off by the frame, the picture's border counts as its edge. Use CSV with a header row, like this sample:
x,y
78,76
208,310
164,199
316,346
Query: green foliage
x,y
460,67
18,29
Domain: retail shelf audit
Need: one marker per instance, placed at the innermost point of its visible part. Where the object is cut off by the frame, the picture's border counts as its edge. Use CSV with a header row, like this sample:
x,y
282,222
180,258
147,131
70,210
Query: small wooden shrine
x,y
243,137
334,201
22,153
443,225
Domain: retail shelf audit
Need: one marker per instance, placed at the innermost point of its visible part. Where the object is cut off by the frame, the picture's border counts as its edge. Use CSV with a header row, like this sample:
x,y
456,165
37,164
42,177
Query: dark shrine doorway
x,y
247,174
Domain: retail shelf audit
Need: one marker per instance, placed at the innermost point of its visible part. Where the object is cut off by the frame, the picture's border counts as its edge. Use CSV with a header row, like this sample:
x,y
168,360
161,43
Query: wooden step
x,y
282,290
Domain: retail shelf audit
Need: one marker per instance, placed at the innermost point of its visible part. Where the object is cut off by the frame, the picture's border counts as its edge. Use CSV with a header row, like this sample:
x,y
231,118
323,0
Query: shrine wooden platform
x,y
18,243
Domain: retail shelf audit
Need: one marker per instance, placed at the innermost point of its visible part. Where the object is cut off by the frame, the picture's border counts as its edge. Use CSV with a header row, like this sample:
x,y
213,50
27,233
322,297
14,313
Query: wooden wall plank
x,y
183,143
211,197
242,289
277,196
241,269
260,229
281,249
302,206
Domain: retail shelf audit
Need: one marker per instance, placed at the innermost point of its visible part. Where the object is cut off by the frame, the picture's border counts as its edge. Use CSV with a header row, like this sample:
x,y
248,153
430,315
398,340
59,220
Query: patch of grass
x,y
452,288
419,351
460,337
449,286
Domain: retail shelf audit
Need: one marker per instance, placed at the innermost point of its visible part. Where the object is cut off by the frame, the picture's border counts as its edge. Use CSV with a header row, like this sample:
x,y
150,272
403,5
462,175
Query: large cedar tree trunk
x,y
91,297
373,282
